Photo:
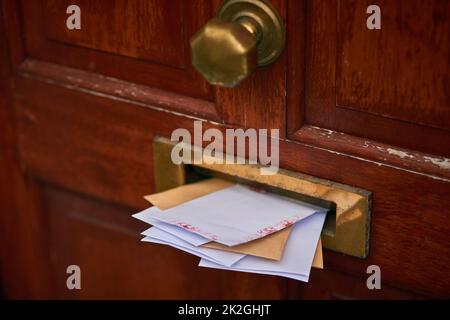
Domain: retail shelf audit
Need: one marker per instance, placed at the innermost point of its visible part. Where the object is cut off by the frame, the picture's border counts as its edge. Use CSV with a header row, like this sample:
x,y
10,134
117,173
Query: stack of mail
x,y
234,227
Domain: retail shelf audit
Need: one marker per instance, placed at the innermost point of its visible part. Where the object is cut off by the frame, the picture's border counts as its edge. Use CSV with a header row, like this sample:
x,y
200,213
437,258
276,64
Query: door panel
x,y
339,286
145,42
401,73
147,30
148,59
79,111
387,85
90,140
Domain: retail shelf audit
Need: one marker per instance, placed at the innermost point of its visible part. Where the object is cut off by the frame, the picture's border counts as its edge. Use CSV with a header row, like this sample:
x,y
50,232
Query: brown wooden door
x,y
79,110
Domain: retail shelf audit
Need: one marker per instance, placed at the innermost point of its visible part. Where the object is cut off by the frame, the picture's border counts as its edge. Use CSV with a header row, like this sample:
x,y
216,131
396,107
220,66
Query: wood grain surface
x,y
78,112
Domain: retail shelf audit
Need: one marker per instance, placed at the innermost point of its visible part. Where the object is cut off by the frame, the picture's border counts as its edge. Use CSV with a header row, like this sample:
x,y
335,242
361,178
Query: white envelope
x,y
297,257
218,256
236,215
209,264
192,238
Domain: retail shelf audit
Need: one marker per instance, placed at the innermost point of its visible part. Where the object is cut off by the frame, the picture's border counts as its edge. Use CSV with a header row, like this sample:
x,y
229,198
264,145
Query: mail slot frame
x,y
347,231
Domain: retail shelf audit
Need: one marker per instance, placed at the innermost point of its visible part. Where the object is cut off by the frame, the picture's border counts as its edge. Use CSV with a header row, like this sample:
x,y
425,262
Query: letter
x,y
198,141
198,310
74,280
249,309
213,151
274,159
180,310
374,20
267,309
208,311
190,310
374,280
74,20
240,136
183,145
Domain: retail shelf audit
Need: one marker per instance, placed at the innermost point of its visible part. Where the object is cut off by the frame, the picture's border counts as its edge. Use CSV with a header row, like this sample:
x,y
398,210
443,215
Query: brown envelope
x,y
176,196
318,256
270,247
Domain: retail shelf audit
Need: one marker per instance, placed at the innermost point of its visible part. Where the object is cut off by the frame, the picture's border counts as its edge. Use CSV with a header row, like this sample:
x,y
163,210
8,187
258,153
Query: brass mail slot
x,y
347,226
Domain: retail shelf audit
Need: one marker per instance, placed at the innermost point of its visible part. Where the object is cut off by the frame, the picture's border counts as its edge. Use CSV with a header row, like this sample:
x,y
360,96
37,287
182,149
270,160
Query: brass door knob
x,y
244,34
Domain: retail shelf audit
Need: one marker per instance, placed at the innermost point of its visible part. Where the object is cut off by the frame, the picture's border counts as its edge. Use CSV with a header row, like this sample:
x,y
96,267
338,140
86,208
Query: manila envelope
x,y
270,247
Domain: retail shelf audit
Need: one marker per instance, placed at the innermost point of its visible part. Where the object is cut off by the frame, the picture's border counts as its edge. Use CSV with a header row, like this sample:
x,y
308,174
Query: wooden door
x,y
79,110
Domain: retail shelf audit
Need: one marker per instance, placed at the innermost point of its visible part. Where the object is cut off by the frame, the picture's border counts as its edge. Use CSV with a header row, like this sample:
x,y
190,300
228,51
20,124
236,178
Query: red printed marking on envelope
x,y
195,229
278,226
